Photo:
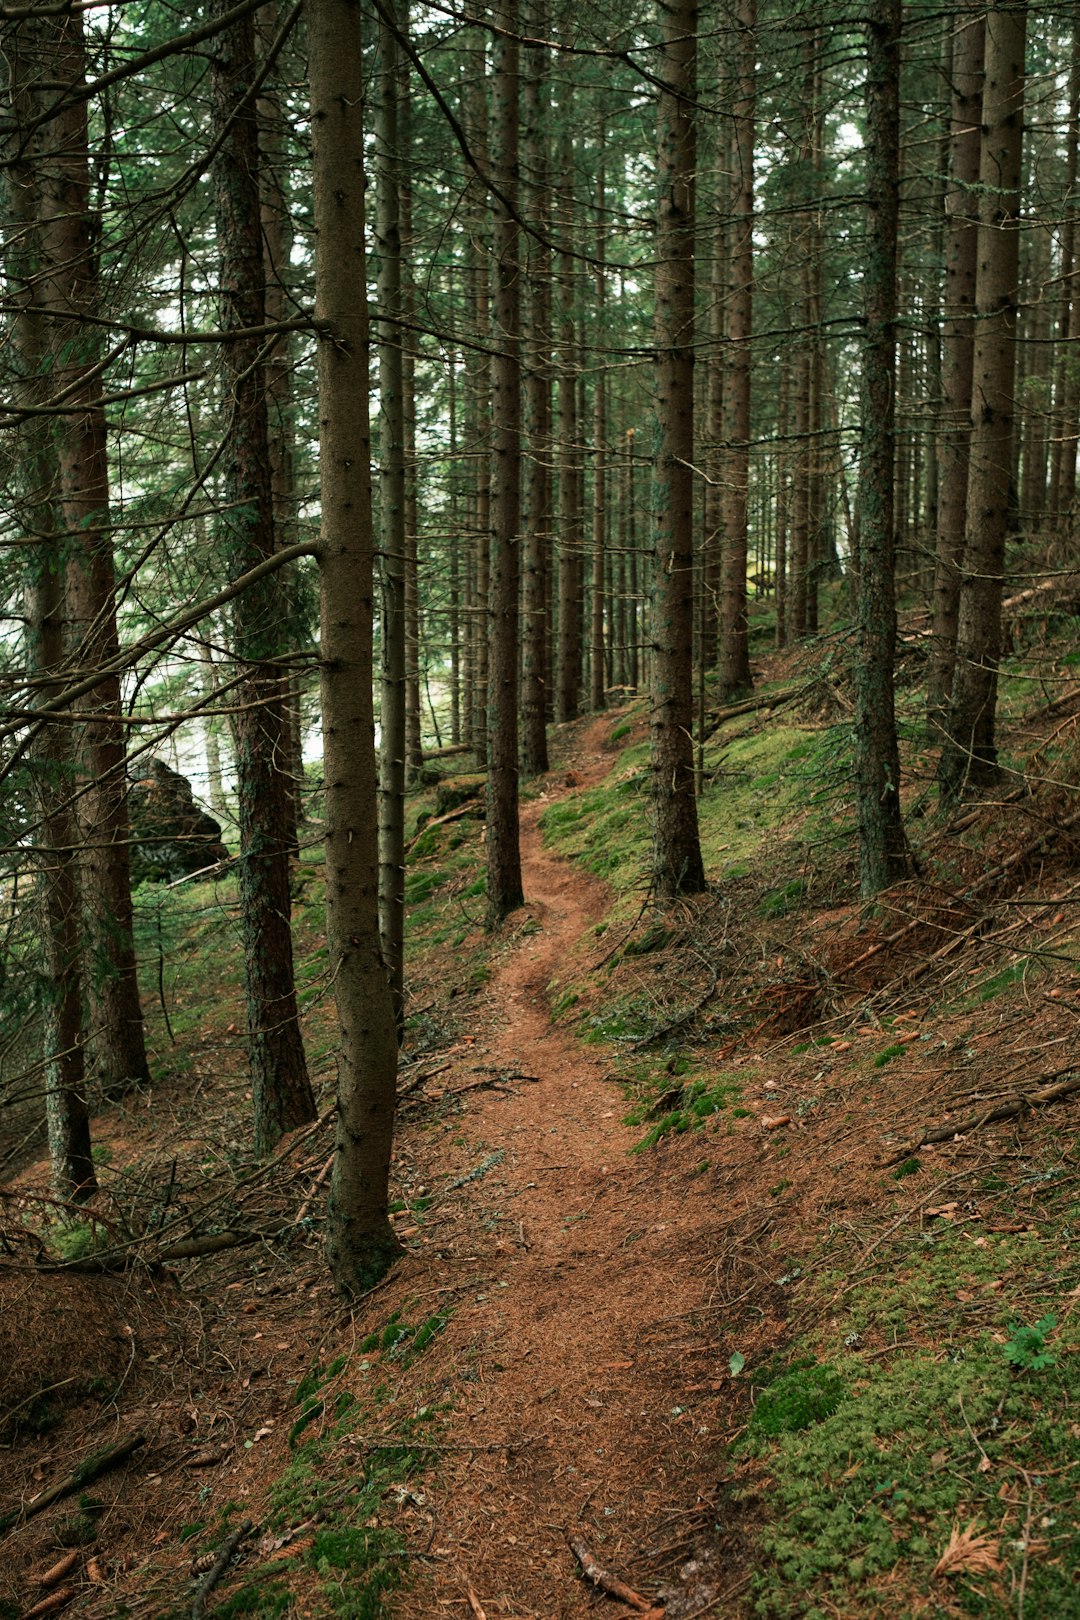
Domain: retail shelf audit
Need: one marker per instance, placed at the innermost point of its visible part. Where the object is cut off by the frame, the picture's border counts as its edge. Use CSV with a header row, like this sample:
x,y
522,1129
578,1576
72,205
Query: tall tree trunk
x,y
571,522
599,513
454,614
26,46
277,234
360,1239
734,629
70,294
1067,384
392,338
215,785
537,407
504,892
281,1092
480,399
414,753
1036,396
958,347
677,864
882,848
780,569
633,617
969,755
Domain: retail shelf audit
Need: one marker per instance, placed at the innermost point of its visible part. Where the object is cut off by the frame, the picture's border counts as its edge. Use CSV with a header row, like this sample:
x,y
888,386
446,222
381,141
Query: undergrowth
x,y
881,1458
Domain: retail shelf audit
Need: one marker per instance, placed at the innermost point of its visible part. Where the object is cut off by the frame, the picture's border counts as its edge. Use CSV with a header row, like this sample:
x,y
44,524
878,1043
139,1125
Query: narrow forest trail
x,y
592,1377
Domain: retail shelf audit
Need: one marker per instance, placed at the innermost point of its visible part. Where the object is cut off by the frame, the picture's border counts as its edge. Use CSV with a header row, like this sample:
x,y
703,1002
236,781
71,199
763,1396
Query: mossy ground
x,y
941,1421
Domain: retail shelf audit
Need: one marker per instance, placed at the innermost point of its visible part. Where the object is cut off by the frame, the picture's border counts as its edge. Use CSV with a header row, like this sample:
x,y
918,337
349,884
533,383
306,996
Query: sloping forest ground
x,y
687,1290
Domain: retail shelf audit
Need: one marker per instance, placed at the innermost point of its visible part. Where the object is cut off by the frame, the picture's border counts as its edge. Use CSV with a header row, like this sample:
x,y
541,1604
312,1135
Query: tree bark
x,y
392,473
734,664
414,753
958,347
599,509
677,864
480,400
571,519
882,847
277,233
969,755
26,45
281,1092
537,407
1067,386
361,1243
70,294
504,891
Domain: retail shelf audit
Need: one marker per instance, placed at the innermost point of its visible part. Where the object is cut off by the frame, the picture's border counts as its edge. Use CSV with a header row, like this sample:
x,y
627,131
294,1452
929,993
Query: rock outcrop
x,y
171,836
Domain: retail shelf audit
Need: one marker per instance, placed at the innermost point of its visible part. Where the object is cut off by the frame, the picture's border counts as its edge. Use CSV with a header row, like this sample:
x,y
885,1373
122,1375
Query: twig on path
x,y
1007,1110
218,1568
474,1604
474,1174
605,1580
421,1080
501,1079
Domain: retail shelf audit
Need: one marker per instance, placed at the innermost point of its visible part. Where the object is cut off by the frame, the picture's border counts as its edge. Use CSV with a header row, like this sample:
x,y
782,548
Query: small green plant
x,y
1026,1347
887,1055
779,902
76,1241
909,1167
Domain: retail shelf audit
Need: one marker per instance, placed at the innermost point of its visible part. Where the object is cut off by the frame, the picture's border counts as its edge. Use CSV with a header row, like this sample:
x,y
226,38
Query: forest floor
x,y
684,1291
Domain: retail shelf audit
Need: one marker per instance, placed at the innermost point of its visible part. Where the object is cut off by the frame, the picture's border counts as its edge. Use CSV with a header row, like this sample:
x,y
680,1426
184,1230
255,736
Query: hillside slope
x,y
685,1291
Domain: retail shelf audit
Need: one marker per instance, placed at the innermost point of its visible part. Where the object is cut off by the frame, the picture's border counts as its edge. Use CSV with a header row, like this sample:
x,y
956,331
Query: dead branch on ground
x,y
92,1468
1049,1093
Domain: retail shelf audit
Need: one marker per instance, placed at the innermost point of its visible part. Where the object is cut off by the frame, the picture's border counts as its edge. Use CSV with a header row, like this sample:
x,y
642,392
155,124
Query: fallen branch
x,y
680,1023
768,700
604,1579
474,1174
215,1242
93,1467
316,1184
470,808
421,1080
984,882
501,1080
1007,1110
218,1568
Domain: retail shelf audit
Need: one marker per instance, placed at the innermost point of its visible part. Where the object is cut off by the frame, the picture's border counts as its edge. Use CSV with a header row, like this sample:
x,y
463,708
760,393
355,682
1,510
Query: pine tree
x,y
677,863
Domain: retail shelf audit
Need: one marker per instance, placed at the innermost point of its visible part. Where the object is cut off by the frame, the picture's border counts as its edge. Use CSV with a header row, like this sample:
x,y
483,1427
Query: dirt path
x,y
591,1383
